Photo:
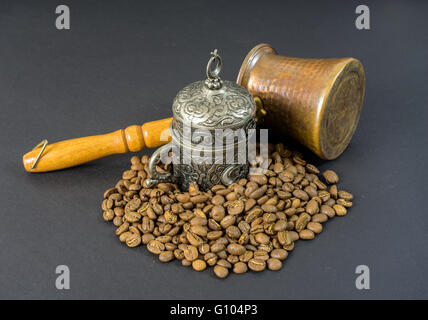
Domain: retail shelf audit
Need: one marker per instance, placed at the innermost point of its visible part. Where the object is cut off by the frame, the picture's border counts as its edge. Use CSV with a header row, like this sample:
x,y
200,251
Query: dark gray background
x,y
123,62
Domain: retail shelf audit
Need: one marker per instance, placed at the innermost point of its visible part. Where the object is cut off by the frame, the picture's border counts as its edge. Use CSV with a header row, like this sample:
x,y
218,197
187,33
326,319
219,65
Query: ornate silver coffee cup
x,y
211,127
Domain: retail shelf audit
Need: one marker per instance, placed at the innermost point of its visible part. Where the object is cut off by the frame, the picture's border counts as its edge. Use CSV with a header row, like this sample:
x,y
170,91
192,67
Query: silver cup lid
x,y
213,103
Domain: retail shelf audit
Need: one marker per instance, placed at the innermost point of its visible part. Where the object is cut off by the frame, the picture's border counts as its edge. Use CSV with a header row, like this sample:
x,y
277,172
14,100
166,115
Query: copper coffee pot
x,y
316,101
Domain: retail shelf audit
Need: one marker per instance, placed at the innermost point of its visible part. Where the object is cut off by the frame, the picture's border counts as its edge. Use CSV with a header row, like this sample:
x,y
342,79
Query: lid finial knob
x,y
213,81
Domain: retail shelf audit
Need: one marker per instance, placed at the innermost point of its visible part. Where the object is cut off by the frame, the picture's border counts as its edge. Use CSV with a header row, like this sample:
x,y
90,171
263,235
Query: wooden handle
x,y
70,153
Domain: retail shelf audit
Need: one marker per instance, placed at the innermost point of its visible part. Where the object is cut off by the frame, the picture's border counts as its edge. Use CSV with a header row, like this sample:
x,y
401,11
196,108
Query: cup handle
x,y
157,177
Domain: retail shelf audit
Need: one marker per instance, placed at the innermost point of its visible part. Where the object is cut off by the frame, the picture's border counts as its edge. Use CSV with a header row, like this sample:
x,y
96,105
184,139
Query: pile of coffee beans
x,y
250,225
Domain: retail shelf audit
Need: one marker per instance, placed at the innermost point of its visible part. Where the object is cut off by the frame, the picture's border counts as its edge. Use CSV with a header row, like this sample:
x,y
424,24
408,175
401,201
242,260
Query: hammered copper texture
x,y
316,101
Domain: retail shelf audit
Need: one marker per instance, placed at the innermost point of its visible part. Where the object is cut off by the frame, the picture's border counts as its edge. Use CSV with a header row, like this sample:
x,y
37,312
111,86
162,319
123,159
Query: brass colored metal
x,y
316,101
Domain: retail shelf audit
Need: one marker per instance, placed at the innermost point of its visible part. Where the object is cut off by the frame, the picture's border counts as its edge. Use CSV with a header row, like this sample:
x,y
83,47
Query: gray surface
x,y
122,63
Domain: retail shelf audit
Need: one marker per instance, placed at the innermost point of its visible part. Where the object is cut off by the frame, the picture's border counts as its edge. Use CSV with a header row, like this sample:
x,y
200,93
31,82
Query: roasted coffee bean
x,y
312,207
306,234
221,272
256,264
280,254
345,195
166,256
199,230
194,239
328,211
320,217
217,200
227,221
262,238
258,193
260,179
191,253
199,198
340,210
199,265
302,221
233,232
330,177
315,227
302,195
224,263
236,249
108,215
235,207
214,235
274,264
155,247
240,267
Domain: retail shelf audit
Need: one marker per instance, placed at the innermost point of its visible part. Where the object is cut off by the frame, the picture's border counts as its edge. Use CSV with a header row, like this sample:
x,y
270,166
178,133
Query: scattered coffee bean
x,y
199,265
256,264
330,177
221,272
274,264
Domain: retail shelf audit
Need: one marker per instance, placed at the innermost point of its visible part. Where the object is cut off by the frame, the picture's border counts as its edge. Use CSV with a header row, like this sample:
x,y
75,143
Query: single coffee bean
x,y
306,234
155,247
240,267
280,254
214,235
262,238
316,227
236,249
108,215
198,221
199,265
345,195
256,264
186,263
224,263
320,217
199,230
269,208
302,221
191,253
221,272
183,198
302,195
340,210
233,232
312,207
328,211
235,207
261,254
166,256
133,240
334,192
217,213
147,237
129,174
227,221
330,177
217,200
194,239
199,198
260,179
274,264
258,193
